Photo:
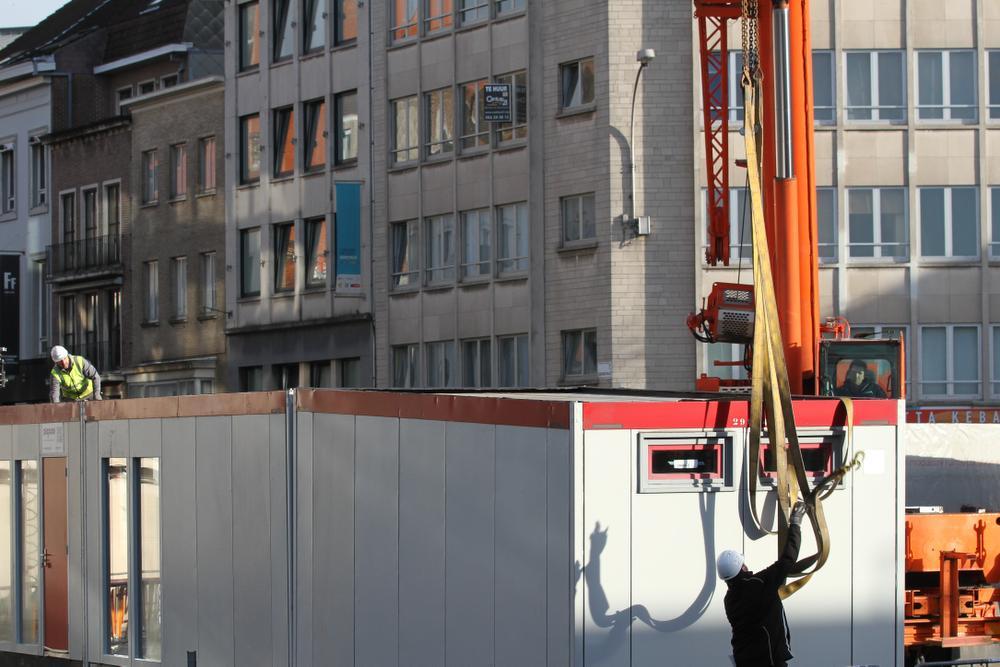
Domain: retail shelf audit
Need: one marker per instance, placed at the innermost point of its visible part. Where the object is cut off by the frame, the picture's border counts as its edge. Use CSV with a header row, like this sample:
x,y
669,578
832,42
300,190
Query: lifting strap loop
x,y
770,396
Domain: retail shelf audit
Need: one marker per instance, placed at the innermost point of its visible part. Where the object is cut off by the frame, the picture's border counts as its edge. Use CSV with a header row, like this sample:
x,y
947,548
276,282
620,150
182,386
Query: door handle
x,y
46,558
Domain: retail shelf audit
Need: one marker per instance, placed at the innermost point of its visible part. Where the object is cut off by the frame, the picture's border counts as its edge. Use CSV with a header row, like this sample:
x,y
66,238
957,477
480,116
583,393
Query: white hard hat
x,y
729,564
59,353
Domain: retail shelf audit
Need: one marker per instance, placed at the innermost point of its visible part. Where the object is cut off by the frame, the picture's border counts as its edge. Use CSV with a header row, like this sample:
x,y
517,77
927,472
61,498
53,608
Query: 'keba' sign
x,y
496,108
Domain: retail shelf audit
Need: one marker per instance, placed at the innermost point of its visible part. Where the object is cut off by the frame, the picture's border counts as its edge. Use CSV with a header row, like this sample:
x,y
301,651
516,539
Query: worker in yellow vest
x,y
73,378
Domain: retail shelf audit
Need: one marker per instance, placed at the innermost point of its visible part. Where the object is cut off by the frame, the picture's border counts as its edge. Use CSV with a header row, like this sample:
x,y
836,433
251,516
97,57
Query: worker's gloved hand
x,y
798,511
99,398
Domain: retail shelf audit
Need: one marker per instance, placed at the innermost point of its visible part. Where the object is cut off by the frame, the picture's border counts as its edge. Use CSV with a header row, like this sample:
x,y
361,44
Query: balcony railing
x,y
101,254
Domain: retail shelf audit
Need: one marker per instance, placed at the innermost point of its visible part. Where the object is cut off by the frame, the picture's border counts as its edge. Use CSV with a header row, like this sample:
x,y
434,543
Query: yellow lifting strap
x,y
770,395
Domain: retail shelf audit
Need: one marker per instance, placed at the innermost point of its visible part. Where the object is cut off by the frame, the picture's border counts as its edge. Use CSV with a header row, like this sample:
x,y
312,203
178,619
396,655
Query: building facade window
x,y
249,35
152,301
876,223
518,127
995,221
284,257
150,167
439,112
122,94
876,85
179,269
993,63
206,164
946,85
8,179
476,363
349,372
579,353
320,374
282,32
949,361
346,106
208,295
824,87
994,363
313,26
250,148
252,378
314,156
284,142
826,223
39,176
437,15
512,235
477,243
475,132
406,130
345,28
441,370
113,213
169,81
147,87
576,83
513,361
178,171
440,249
473,11
316,252
404,237
405,366
89,213
43,294
404,19
68,215
68,321
577,213
509,6
286,376
250,262
949,222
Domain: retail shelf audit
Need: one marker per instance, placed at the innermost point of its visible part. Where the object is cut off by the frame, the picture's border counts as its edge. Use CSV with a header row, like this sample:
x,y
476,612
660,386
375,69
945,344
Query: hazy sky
x,y
26,12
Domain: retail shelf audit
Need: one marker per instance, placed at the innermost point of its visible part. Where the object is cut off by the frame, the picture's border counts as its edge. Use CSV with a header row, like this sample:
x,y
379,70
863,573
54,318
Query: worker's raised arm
x,y
774,576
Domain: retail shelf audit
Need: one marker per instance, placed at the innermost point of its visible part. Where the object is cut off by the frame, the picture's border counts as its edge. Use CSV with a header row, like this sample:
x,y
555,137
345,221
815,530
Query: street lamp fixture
x,y
633,224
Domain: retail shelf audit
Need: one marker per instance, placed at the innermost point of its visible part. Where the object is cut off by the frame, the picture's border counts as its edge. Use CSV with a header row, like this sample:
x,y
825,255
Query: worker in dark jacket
x,y
760,629
857,384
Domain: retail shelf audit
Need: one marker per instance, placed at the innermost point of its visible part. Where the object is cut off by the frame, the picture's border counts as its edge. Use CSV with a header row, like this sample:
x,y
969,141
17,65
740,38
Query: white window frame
x,y
39,173
439,249
477,370
151,310
576,101
8,178
169,80
947,106
877,243
948,222
477,268
410,119
949,380
148,82
441,368
445,19
513,263
473,11
572,209
440,123
876,106
180,287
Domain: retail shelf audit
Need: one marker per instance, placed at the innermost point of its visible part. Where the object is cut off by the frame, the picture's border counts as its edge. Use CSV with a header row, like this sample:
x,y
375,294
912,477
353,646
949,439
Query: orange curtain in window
x,y
317,157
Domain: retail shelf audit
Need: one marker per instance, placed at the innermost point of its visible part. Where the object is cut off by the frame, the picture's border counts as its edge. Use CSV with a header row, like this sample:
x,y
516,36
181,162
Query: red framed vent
x,y
684,461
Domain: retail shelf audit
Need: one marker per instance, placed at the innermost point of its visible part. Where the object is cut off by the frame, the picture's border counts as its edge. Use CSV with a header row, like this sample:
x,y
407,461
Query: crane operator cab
x,y
862,368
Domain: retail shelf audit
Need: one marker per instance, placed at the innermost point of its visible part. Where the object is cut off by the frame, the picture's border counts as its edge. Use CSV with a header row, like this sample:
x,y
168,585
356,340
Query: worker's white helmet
x,y
59,353
729,564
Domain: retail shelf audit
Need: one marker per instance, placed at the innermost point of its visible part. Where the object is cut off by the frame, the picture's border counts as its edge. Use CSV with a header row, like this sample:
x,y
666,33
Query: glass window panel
x,y
994,83
249,35
180,287
440,248
208,282
148,511
438,15
116,555
250,148
315,134
893,222
405,127
931,84
859,86
284,257
826,220
206,164
252,378
346,25
474,130
284,136
505,6
404,366
440,119
891,96
962,69
350,372
823,92
404,19
347,127
282,31
996,365
316,249
966,360
861,230
932,236
995,222
250,262
933,360
6,565
523,371
149,181
404,252
964,223
314,26
474,10
476,247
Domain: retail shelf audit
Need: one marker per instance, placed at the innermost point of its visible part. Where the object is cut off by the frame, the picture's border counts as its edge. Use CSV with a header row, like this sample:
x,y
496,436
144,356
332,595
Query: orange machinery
x,y
952,574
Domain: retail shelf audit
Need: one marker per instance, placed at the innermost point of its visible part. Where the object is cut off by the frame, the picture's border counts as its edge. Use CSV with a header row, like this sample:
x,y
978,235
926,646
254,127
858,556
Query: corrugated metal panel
x,y
179,502
215,541
520,534
470,470
251,551
376,547
333,539
422,542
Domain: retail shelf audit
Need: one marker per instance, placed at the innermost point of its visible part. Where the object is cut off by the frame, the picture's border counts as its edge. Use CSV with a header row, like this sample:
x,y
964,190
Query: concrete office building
x,y
177,242
493,253
298,278
907,101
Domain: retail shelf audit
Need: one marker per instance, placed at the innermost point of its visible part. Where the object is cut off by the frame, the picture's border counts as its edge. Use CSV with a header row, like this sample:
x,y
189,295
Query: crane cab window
x,y
859,368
